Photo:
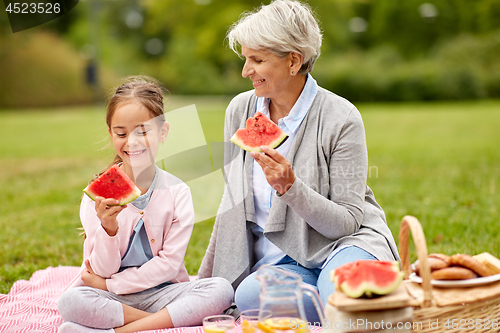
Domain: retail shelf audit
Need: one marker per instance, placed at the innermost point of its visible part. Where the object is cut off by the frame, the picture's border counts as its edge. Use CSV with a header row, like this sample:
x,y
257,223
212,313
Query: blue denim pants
x,y
247,293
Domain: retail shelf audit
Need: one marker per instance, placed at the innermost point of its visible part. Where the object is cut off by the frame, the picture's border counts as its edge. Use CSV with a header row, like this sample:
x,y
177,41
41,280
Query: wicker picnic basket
x,y
450,310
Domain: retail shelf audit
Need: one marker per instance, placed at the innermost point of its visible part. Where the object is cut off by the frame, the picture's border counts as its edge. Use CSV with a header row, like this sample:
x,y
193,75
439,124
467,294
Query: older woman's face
x,y
269,73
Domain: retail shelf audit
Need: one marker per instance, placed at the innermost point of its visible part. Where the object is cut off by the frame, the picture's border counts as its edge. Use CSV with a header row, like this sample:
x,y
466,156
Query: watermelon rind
x,y
369,289
273,144
135,192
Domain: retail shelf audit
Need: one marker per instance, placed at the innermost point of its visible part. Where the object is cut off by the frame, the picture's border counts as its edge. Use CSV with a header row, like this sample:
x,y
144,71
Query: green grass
x,y
437,161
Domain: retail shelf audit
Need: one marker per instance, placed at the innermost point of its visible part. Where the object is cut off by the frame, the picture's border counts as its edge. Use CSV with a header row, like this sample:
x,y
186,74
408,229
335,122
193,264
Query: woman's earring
x,y
293,73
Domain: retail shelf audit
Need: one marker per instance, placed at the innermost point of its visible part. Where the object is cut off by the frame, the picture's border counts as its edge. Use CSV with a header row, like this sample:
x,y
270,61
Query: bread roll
x,y
453,273
467,261
491,262
434,264
441,256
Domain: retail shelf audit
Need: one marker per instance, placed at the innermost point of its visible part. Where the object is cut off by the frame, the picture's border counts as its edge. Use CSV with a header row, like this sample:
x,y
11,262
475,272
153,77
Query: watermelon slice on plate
x,y
367,277
259,131
113,183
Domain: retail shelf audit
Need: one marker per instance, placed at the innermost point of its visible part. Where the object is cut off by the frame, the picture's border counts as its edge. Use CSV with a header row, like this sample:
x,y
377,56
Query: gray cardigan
x,y
328,205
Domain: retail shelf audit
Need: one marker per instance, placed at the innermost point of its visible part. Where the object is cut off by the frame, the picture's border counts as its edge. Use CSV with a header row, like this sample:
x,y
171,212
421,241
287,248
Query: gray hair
x,y
281,27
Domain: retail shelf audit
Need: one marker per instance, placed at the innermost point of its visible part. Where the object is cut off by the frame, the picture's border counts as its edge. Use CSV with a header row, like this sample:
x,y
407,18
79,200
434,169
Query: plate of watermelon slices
x,y
458,283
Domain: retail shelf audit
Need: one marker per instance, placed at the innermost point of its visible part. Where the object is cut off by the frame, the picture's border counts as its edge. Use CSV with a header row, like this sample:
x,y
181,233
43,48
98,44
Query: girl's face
x,y
135,135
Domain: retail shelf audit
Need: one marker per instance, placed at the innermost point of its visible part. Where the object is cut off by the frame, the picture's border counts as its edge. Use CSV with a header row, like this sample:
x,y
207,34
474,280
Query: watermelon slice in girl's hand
x,y
113,183
260,131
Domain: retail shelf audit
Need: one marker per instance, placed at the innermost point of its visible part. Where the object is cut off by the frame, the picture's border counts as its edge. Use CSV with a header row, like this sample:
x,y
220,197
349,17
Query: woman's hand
x,y
277,169
91,279
107,214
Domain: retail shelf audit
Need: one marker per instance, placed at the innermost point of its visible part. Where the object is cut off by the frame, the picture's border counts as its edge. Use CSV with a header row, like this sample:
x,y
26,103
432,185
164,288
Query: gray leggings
x,y
187,303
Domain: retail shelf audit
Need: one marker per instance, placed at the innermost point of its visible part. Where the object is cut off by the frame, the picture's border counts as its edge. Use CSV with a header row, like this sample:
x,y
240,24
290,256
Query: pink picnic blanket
x,y
30,305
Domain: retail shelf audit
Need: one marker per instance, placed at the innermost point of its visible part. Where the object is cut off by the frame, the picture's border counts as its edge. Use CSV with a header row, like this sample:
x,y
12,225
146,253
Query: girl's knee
x,y
224,290
68,303
76,303
86,306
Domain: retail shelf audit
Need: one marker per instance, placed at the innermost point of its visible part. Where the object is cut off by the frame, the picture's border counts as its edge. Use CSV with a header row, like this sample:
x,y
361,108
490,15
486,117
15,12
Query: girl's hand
x,y
277,169
91,279
107,214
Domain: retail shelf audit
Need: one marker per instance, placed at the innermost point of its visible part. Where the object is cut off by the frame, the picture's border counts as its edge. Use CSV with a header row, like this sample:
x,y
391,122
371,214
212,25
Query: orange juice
x,y
248,327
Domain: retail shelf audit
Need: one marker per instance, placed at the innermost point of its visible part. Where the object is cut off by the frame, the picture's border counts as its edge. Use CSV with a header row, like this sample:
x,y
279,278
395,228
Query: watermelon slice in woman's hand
x,y
113,183
259,131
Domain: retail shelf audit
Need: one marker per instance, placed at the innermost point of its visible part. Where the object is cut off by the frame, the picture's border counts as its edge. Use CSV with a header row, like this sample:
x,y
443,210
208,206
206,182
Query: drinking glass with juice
x,y
218,324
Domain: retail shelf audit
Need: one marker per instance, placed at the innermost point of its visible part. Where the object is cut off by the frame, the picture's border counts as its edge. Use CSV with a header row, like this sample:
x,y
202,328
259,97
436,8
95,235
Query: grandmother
x,y
305,206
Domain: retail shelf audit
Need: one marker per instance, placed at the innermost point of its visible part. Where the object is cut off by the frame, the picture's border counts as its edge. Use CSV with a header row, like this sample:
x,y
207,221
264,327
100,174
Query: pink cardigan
x,y
168,219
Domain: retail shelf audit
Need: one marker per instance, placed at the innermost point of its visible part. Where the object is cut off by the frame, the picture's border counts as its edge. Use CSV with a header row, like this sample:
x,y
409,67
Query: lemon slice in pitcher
x,y
265,328
284,324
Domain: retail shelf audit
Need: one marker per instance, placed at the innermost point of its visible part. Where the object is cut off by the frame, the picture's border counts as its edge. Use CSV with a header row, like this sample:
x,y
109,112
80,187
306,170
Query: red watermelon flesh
x,y
113,183
368,277
339,274
259,131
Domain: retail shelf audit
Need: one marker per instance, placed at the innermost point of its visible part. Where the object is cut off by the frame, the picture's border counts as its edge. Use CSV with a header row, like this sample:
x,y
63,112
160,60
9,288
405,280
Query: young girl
x,y
133,276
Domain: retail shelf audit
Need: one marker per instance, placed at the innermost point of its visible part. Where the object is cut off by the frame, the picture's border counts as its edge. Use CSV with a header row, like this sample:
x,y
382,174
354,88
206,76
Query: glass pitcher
x,y
281,294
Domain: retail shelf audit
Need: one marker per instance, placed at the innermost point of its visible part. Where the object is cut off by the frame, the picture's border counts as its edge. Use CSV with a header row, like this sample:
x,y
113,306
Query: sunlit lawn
x,y
439,162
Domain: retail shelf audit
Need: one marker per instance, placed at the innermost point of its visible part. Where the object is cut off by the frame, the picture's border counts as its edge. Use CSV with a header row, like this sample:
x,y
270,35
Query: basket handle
x,y
411,223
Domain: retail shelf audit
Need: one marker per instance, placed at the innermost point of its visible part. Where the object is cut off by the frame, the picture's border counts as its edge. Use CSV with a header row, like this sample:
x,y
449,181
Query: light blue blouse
x,y
139,251
265,251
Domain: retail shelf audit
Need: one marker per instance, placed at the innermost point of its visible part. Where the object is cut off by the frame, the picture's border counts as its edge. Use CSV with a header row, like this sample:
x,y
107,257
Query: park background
x,y
425,76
